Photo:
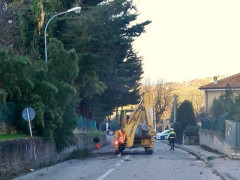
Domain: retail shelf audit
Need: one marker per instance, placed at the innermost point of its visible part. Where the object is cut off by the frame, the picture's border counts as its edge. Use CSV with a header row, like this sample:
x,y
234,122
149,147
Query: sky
x,y
189,39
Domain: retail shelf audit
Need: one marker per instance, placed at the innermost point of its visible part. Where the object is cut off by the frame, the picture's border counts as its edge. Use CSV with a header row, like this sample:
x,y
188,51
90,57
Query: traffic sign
x,y
28,113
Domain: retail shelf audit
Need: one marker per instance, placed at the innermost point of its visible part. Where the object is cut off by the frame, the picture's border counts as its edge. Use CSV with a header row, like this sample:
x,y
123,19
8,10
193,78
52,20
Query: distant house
x,y
217,87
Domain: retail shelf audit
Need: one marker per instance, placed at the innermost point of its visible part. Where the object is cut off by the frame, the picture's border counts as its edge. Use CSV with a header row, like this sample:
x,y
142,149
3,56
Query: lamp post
x,y
75,9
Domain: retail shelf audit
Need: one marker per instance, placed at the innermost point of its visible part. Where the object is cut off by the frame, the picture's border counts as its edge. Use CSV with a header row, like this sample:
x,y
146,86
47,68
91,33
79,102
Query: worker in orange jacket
x,y
121,141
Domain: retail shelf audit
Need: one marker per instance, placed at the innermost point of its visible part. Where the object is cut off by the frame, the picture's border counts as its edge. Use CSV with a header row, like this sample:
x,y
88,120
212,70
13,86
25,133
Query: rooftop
x,y
231,81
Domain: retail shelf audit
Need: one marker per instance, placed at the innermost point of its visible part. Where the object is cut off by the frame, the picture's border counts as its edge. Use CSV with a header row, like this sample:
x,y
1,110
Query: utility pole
x,y
175,108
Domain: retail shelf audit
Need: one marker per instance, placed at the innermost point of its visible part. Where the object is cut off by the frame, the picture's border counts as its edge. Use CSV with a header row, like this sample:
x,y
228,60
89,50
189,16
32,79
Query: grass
x,y
80,154
12,136
211,158
92,134
95,133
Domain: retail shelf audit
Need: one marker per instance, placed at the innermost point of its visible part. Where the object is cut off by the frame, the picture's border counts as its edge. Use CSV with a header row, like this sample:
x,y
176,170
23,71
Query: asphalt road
x,y
133,165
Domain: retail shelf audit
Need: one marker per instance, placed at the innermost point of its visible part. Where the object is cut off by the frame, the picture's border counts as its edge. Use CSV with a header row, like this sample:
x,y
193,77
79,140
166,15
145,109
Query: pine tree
x,y
110,70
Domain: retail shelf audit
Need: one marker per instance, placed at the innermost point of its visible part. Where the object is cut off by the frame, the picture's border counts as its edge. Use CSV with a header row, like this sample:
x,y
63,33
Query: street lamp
x,y
75,9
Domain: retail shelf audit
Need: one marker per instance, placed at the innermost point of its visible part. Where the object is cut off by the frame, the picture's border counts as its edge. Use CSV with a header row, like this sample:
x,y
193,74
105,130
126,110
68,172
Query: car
x,y
162,135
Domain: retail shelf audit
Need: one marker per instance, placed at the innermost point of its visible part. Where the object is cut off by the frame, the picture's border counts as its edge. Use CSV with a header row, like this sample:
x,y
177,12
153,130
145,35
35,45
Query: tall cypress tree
x,y
185,115
109,68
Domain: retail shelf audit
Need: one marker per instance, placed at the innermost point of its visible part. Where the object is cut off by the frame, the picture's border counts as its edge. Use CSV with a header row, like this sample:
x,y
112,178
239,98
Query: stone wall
x,y
2,127
214,141
18,156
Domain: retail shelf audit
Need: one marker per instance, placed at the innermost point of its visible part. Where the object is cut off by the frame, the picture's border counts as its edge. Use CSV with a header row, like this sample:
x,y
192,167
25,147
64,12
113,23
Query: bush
x,y
191,130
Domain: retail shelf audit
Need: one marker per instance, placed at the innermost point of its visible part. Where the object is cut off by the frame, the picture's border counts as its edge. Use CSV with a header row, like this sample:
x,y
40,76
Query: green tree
x,y
25,83
95,71
17,82
223,108
185,115
62,72
236,115
110,70
13,75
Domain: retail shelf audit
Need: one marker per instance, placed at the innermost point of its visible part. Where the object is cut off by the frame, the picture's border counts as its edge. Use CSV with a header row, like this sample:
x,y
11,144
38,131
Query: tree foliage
x,y
191,130
185,114
185,118
110,70
223,106
92,67
226,107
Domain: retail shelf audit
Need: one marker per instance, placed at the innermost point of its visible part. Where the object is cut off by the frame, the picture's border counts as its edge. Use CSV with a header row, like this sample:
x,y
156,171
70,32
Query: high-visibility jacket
x,y
121,137
171,135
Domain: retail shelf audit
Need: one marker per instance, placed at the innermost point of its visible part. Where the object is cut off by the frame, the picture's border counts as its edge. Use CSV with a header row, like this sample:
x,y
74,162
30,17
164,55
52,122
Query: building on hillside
x,y
217,87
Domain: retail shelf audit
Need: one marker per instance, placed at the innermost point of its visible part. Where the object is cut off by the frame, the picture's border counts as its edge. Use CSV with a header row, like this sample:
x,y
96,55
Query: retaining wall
x,y
214,141
18,156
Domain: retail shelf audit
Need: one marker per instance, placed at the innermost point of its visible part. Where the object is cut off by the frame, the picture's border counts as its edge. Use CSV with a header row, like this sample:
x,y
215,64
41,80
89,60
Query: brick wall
x,y
214,141
18,156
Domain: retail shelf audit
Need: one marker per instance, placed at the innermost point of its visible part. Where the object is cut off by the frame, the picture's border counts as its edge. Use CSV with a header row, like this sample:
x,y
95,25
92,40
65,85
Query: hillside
x,y
188,90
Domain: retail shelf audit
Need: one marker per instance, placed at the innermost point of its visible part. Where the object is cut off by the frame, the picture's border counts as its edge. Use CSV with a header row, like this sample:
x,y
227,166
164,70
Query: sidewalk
x,y
226,168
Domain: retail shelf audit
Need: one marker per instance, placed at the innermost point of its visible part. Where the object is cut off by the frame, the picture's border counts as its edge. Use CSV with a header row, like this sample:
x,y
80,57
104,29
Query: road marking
x,y
105,175
126,157
118,164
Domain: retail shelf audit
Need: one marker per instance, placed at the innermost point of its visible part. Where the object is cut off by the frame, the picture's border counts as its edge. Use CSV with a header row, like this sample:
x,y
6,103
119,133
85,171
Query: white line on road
x,y
105,175
110,170
126,157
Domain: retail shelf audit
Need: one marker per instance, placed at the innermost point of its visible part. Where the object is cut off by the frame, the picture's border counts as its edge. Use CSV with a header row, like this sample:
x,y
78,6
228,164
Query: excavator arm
x,y
143,114
139,129
131,127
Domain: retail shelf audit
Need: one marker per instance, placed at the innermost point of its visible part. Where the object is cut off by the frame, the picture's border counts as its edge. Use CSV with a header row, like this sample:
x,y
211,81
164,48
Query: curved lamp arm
x,y
76,9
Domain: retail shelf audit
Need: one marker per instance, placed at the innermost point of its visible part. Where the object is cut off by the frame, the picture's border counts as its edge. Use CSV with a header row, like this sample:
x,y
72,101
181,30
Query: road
x,y
133,165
